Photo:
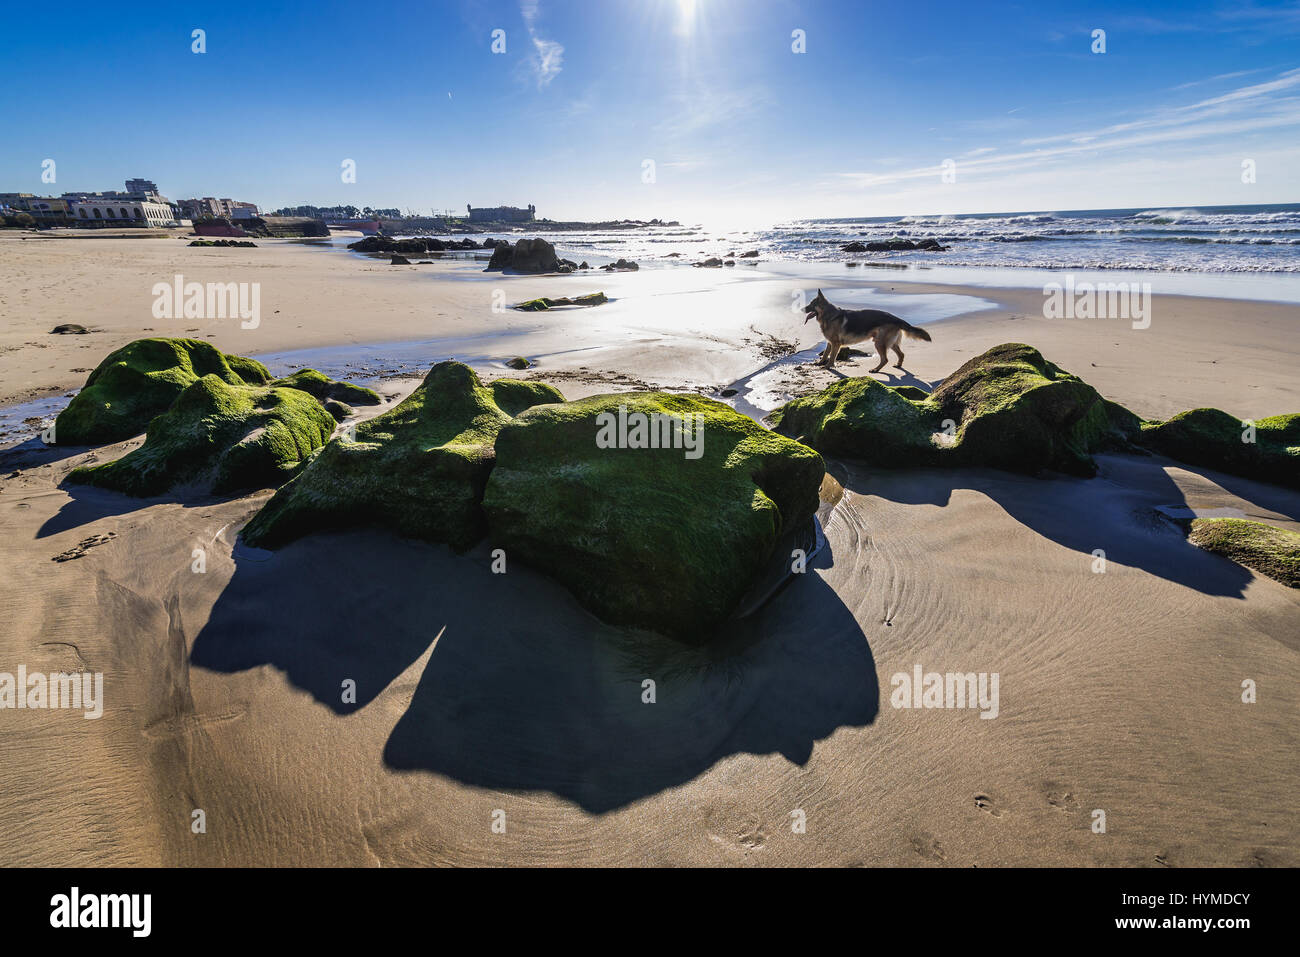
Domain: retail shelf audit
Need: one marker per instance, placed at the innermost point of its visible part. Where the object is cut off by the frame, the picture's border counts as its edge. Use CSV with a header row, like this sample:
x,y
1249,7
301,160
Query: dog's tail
x,y
915,333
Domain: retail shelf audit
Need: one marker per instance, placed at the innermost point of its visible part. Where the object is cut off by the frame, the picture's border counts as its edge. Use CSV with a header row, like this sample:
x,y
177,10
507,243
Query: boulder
x,y
1009,408
227,437
1271,551
655,538
69,329
1270,451
853,247
322,388
711,263
545,302
518,362
141,380
399,261
527,255
418,469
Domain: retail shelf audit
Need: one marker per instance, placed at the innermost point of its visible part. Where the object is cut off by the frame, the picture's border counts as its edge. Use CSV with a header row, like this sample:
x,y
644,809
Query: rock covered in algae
x,y
139,381
1271,551
666,538
1008,408
418,469
1265,449
232,437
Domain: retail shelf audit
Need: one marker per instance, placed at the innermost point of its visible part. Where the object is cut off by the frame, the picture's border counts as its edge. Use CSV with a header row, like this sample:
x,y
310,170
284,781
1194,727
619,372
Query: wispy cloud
x,y
548,57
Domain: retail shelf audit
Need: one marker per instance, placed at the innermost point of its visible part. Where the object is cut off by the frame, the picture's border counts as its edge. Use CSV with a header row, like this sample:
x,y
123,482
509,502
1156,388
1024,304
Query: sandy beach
x,y
1121,691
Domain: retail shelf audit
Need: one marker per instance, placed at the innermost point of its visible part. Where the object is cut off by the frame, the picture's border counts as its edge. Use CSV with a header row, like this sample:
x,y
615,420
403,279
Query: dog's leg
x,y
832,352
880,352
898,352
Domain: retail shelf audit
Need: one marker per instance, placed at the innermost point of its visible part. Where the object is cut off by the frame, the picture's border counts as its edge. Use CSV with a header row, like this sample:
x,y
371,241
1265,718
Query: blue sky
x,y
741,129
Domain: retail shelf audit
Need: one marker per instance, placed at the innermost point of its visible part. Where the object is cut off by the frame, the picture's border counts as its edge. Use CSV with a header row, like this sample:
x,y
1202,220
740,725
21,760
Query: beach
x,y
1121,690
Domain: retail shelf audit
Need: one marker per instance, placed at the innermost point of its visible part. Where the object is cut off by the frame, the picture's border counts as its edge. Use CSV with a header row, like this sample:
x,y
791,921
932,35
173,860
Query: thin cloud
x,y
548,58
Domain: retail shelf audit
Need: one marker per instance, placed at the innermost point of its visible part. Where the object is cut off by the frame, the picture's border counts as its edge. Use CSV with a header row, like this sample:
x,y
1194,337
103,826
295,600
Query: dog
x,y
844,327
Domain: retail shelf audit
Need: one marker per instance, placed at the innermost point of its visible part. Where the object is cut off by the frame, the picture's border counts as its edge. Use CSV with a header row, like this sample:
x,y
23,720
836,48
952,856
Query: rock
x,y
224,242
322,387
648,537
69,329
1009,408
399,261
729,262
752,254
1217,440
853,247
583,265
672,255
527,255
232,436
141,380
519,362
850,264
1271,551
339,410
712,263
906,391
418,469
545,302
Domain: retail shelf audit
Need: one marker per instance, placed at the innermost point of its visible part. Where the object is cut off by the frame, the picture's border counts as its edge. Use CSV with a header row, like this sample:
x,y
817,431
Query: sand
x,y
480,693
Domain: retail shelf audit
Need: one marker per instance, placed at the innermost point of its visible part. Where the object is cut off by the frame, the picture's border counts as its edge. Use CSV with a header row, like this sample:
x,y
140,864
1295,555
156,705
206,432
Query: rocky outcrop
x,y
525,256
1009,408
1271,551
1266,449
140,381
544,303
225,437
662,538
418,469
322,388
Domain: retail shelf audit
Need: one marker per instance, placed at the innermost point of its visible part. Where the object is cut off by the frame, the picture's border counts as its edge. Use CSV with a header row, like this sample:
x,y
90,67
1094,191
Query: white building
x,y
131,210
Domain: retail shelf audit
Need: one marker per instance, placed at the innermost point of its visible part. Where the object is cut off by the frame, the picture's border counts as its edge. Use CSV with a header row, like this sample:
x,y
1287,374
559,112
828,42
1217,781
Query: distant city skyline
x,y
694,110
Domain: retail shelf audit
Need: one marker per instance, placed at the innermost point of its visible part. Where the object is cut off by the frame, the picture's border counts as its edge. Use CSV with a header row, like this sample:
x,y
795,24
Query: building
x,y
144,187
501,214
211,207
46,210
123,209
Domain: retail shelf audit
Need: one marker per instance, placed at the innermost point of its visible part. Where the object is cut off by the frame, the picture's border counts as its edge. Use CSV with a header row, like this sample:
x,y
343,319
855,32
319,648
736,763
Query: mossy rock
x,y
647,537
418,469
518,362
234,437
907,391
544,303
1271,551
321,386
1008,408
339,410
140,381
1219,441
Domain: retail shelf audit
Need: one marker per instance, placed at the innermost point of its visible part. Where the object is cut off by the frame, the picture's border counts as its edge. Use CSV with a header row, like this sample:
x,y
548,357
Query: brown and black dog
x,y
844,327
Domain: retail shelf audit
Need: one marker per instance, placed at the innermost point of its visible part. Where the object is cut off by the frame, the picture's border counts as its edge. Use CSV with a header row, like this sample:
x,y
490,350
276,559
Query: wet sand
x,y
478,693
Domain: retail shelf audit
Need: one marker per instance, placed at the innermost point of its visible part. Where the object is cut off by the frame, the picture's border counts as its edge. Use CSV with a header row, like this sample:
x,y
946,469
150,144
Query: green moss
x,y
233,436
321,386
418,469
908,391
1270,551
544,303
1009,408
139,381
1217,440
648,537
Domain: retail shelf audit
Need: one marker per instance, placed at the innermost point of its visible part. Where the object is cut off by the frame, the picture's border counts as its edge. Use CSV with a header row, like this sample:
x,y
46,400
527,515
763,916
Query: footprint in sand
x,y
737,828
929,848
986,803
1060,798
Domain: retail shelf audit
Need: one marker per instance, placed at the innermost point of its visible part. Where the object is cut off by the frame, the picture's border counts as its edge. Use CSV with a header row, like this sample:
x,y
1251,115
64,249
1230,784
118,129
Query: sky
x,y
727,112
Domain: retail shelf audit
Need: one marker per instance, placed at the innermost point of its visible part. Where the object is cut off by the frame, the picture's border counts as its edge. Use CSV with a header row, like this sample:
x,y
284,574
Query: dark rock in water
x,y
672,255
139,381
234,437
1269,550
224,242
322,387
931,244
519,362
1266,449
545,303
400,261
1009,408
853,247
729,262
583,265
648,537
69,329
727,393
527,255
752,254
712,263
418,469
850,264
425,262
622,265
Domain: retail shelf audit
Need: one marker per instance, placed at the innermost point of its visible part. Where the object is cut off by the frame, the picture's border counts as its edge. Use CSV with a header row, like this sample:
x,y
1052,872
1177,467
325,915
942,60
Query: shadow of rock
x,y
525,690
